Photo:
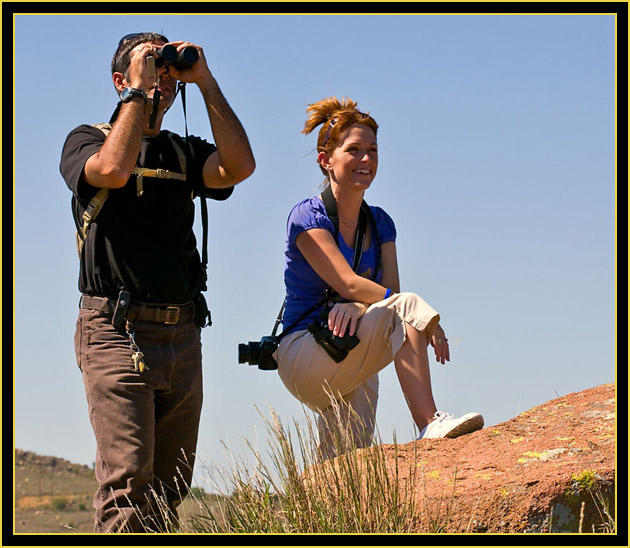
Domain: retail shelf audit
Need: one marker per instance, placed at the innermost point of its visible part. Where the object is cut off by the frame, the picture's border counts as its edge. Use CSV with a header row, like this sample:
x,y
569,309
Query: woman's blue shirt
x,y
304,287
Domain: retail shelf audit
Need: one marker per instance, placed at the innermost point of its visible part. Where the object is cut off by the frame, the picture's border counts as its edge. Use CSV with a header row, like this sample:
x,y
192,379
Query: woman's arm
x,y
389,265
321,251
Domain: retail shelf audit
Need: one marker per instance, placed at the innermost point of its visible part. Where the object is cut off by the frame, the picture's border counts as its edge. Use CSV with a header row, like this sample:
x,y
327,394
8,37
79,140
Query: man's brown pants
x,y
146,424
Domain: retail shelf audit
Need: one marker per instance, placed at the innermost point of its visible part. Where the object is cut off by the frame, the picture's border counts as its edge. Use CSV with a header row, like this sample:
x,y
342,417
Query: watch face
x,y
128,93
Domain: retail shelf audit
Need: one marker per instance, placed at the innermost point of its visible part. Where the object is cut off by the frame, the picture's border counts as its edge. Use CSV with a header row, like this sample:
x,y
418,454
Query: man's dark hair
x,y
120,62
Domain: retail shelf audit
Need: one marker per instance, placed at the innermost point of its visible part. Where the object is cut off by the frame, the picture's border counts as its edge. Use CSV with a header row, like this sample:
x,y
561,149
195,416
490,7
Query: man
x,y
138,336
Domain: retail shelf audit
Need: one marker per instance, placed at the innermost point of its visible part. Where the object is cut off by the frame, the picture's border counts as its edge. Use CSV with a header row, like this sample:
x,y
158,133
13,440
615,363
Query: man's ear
x,y
120,82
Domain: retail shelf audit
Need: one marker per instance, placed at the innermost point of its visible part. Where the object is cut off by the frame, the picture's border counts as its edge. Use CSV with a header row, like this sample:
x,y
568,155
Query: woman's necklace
x,y
351,225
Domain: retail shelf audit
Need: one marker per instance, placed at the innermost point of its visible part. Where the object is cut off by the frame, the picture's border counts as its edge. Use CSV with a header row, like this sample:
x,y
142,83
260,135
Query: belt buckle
x,y
176,315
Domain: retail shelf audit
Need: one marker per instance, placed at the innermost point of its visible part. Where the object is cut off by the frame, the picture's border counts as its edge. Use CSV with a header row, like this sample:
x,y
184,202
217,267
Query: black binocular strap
x,y
181,88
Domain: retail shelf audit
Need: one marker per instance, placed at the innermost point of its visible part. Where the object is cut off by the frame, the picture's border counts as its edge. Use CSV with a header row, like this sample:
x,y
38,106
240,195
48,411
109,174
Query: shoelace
x,y
441,416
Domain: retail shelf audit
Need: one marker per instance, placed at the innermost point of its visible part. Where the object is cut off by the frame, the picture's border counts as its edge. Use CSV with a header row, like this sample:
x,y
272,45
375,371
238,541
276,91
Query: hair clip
x,y
327,136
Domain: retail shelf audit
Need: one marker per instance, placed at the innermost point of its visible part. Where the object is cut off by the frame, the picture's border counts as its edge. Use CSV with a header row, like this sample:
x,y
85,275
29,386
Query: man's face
x,y
166,83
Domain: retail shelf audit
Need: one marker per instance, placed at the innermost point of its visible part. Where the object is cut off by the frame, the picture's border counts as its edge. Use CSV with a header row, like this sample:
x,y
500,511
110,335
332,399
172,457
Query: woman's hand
x,y
344,316
439,342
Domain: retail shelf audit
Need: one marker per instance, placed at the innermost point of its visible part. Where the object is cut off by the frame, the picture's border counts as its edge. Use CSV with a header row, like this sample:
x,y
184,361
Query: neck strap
x,y
365,214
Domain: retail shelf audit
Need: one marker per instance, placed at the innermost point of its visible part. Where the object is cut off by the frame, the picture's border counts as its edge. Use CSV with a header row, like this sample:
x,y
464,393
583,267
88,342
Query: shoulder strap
x,y
181,155
105,128
91,211
375,235
185,159
96,203
330,205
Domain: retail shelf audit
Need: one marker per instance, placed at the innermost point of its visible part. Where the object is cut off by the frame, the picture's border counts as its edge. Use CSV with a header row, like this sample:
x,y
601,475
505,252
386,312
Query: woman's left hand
x,y
439,342
344,316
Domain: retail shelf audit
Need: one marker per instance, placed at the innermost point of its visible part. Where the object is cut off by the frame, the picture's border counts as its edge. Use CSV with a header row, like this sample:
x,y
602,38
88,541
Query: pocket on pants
x,y
78,339
81,337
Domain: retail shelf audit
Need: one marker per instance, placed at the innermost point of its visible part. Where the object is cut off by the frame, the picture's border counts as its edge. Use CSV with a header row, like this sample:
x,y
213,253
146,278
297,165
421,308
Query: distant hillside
x,y
38,475
52,495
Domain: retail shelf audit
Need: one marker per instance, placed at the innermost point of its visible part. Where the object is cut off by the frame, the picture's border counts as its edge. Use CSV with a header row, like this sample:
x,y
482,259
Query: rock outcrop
x,y
550,469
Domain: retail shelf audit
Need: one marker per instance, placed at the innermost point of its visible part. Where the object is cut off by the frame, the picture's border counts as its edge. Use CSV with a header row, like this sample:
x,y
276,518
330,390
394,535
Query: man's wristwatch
x,y
129,93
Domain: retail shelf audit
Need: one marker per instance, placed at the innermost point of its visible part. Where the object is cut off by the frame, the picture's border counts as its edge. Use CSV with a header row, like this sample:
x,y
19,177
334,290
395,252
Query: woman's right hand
x,y
344,316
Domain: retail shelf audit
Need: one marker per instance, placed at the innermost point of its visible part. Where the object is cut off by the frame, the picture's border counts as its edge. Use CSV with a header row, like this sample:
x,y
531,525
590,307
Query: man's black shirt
x,y
143,244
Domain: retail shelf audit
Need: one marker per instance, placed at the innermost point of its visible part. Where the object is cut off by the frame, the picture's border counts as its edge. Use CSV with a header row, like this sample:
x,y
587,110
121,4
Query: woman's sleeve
x,y
307,215
385,224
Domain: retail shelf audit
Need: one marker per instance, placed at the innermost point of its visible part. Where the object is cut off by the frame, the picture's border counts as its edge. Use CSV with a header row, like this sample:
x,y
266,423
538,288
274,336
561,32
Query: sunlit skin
x,y
353,163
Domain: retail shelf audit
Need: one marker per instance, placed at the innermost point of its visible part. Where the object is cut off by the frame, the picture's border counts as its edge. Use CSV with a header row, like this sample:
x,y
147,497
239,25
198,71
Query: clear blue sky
x,y
497,163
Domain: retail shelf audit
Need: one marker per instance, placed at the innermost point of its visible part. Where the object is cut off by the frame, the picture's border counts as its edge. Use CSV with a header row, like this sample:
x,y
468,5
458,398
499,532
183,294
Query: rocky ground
x,y
550,469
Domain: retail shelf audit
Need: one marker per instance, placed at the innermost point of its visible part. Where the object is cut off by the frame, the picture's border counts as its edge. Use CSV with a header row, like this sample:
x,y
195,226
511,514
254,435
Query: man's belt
x,y
145,312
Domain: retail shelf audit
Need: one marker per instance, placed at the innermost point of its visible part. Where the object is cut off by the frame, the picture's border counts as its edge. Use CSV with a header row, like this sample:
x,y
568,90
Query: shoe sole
x,y
470,425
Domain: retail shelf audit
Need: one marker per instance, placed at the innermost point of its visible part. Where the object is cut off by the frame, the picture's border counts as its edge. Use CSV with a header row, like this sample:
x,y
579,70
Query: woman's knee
x,y
417,313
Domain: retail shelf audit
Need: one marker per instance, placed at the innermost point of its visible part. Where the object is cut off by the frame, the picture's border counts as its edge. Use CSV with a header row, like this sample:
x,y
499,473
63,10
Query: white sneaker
x,y
448,426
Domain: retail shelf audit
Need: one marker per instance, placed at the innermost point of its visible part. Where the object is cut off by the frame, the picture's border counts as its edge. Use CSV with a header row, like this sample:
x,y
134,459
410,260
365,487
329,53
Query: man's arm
x,y
113,164
234,161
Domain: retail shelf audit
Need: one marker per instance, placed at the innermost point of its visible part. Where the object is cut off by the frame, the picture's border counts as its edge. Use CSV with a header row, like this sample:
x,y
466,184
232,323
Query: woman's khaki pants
x,y
345,394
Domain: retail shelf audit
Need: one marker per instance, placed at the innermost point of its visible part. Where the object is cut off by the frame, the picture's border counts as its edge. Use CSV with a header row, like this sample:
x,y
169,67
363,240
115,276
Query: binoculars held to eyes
x,y
168,55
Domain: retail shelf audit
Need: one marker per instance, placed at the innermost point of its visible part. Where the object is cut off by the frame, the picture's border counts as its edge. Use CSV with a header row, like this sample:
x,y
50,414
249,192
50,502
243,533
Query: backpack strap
x,y
96,203
105,128
142,172
90,213
181,155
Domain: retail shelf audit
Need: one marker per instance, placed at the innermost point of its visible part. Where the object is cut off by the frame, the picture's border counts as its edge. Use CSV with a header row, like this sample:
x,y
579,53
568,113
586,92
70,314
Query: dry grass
x,y
293,491
296,493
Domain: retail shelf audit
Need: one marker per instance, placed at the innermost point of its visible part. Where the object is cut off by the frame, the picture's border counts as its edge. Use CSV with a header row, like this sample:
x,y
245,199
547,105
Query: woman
x,y
389,325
